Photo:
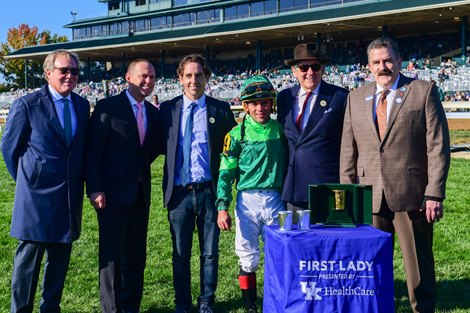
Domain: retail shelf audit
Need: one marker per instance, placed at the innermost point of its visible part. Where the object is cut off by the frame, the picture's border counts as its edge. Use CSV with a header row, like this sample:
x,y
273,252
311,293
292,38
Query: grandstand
x,y
242,34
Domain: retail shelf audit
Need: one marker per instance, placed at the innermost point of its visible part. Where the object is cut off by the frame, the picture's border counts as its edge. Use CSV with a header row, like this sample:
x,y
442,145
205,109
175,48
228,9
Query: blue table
x,y
327,270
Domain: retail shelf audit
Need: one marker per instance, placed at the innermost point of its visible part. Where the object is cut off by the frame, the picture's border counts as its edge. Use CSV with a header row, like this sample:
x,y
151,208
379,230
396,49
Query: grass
x,y
451,246
459,137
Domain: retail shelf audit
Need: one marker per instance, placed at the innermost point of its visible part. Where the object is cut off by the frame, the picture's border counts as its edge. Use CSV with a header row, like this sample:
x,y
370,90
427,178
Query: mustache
x,y
385,73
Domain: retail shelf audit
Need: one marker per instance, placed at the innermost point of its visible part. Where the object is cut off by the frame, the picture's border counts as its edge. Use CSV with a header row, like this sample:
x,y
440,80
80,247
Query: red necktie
x,y
140,123
382,113
298,121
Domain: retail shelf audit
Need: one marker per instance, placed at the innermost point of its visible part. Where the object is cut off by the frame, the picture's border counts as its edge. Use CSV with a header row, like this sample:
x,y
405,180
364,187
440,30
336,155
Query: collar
x,y
201,102
131,98
303,92
57,96
393,88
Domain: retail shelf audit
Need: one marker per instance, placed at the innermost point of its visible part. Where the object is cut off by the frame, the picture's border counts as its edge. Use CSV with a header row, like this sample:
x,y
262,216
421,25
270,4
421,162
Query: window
x,y
286,5
113,6
160,22
207,16
270,6
257,9
140,26
140,2
184,19
236,12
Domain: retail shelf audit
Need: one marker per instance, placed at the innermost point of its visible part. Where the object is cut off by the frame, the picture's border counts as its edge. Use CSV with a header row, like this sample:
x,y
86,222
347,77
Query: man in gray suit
x,y
396,138
43,148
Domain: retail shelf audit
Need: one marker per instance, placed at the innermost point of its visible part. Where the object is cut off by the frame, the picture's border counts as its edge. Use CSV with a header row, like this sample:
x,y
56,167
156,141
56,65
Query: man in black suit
x,y
311,114
123,141
194,126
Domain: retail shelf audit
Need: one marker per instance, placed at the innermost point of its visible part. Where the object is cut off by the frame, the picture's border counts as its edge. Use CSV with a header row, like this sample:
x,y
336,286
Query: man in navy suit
x,y
312,117
43,148
195,127
124,138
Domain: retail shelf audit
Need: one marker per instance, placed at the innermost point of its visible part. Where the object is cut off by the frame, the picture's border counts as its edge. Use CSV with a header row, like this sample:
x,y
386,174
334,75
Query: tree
x,y
24,36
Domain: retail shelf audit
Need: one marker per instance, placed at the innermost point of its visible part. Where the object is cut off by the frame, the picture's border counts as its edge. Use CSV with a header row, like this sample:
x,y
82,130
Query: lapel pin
x,y
403,89
398,100
323,103
368,98
211,120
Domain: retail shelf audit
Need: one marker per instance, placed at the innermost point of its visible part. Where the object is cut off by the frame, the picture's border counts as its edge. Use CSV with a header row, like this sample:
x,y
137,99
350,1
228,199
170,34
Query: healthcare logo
x,y
310,290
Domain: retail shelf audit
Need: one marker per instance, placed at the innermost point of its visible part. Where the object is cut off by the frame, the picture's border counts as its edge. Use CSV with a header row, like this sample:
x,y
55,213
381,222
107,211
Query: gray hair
x,y
48,64
384,42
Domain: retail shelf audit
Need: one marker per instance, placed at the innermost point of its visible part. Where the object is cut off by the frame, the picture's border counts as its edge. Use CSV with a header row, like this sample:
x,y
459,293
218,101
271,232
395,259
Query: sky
x,y
47,14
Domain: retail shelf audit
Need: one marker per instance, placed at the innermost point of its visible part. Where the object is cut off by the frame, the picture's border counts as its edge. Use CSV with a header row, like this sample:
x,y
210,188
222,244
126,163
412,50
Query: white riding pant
x,y
255,209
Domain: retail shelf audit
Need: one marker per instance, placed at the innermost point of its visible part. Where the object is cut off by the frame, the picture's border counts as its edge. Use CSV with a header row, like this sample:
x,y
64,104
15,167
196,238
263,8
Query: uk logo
x,y
310,290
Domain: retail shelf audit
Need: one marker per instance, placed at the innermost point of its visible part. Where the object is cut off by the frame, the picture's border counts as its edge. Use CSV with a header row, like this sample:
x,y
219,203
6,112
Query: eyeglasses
x,y
256,88
304,68
65,70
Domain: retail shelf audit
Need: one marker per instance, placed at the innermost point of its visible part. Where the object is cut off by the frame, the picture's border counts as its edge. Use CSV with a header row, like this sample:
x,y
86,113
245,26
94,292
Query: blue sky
x,y
47,14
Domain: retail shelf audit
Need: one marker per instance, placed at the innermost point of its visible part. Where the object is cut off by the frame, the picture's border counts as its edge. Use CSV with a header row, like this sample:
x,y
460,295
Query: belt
x,y
195,186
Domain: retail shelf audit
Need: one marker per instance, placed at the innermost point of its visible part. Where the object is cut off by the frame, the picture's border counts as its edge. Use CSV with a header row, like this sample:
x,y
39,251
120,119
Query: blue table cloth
x,y
328,270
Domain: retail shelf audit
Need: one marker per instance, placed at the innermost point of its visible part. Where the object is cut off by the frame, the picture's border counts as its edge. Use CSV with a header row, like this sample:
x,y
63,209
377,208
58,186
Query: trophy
x,y
345,205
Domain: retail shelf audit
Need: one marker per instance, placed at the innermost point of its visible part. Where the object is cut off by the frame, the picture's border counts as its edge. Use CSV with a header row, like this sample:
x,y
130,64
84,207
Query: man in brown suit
x,y
399,144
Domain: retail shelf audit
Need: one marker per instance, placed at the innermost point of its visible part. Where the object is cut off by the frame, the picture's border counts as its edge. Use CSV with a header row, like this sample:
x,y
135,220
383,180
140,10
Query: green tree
x,y
21,37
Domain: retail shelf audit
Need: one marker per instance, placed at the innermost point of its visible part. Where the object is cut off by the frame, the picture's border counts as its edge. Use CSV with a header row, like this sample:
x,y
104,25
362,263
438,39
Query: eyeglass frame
x,y
74,71
304,67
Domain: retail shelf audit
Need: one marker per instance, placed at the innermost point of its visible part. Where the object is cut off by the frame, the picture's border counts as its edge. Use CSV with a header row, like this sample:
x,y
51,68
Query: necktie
x,y
188,131
140,122
382,113
67,122
298,121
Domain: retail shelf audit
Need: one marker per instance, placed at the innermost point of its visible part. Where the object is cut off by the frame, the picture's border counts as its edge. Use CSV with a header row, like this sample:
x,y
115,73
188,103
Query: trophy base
x,y
340,218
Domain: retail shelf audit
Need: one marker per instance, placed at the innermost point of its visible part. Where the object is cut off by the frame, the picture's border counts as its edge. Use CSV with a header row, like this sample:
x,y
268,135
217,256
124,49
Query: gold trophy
x,y
338,213
340,199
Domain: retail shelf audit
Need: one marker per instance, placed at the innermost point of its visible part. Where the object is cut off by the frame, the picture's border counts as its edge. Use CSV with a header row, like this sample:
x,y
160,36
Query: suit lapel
x,y
176,118
129,115
51,114
369,98
321,104
211,118
402,92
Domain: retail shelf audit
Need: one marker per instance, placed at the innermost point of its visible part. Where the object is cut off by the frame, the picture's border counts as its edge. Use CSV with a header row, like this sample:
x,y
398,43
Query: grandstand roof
x,y
362,21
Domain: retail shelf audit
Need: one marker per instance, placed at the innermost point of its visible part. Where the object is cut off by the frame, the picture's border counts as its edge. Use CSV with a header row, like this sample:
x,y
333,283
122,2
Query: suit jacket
x,y
49,175
314,152
116,162
220,121
413,158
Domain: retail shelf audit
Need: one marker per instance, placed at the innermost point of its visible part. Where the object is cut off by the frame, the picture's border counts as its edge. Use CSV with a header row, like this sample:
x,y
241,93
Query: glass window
x,y
160,22
270,6
139,2
301,4
113,6
184,19
257,9
206,16
115,29
140,26
243,11
286,5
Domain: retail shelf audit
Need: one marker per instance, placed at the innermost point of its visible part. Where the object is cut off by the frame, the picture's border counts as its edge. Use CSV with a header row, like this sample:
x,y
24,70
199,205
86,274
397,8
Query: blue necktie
x,y
188,131
67,122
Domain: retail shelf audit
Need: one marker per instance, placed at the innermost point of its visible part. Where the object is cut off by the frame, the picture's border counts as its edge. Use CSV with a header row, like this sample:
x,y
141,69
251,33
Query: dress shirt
x,y
308,108
59,108
200,161
134,108
390,97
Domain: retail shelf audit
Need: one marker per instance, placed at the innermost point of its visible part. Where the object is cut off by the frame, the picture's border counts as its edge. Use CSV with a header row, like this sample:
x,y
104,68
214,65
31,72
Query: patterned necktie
x,y
188,131
67,122
298,121
382,113
140,122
